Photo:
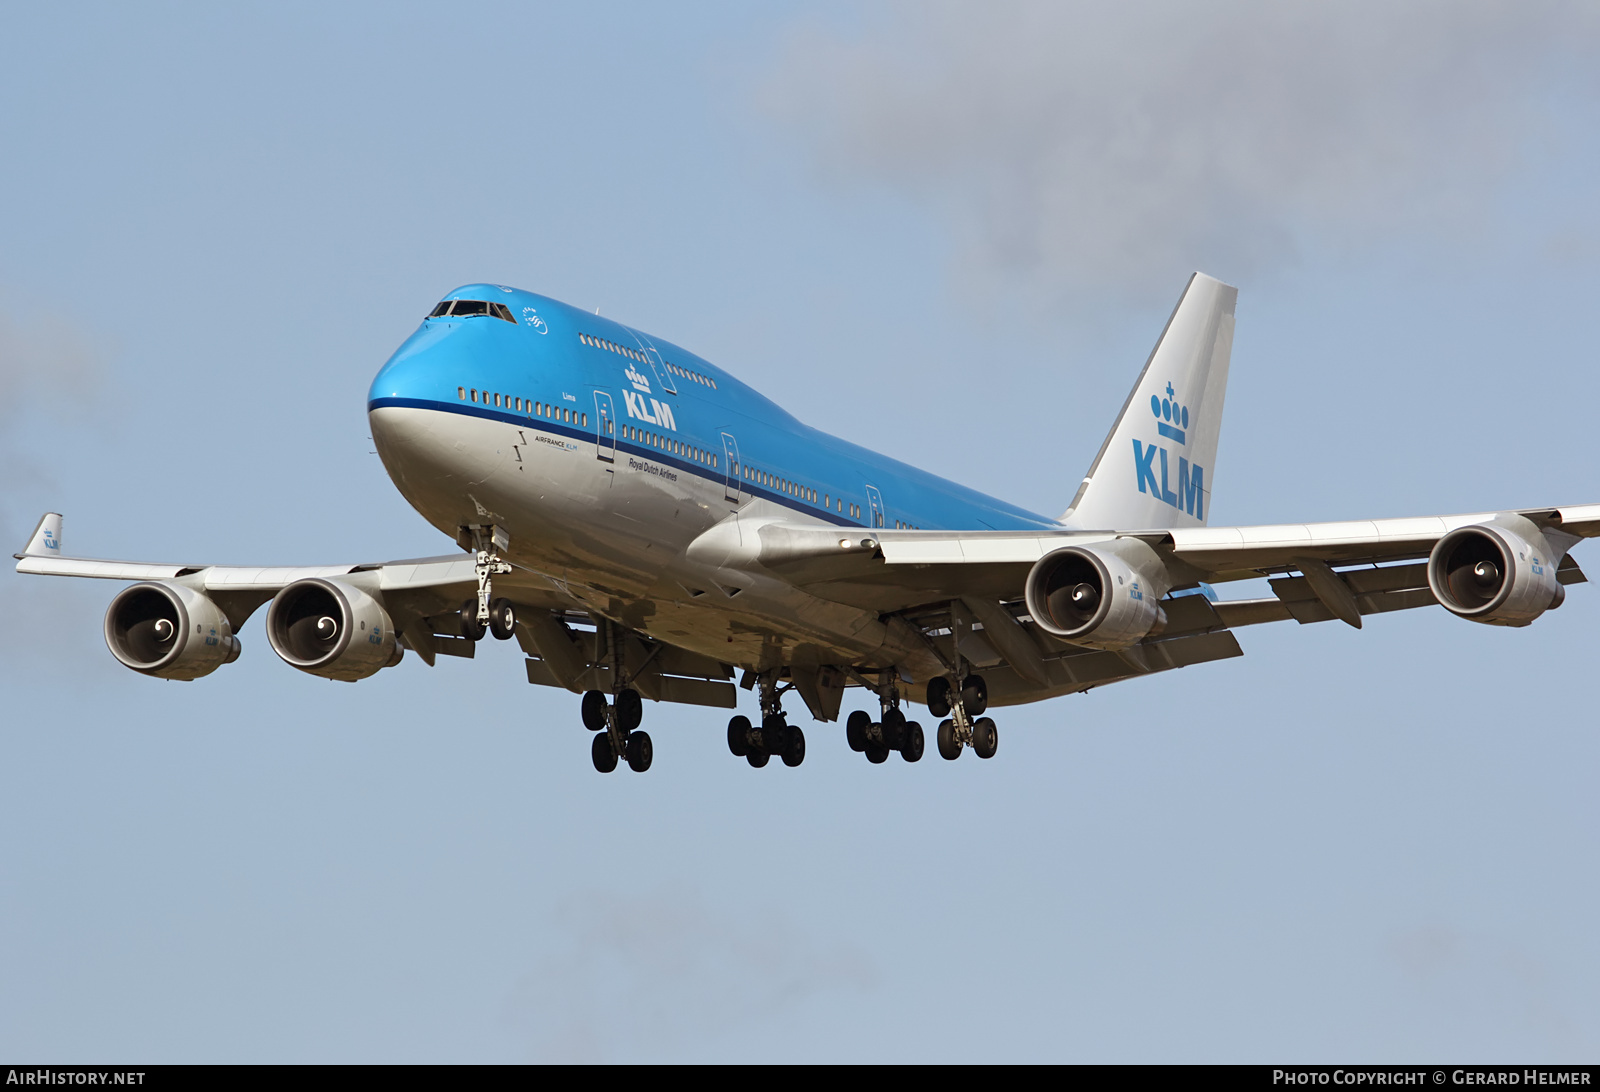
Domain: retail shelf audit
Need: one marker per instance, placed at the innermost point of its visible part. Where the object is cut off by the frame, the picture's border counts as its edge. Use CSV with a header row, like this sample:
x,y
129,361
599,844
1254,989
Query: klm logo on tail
x,y
1172,423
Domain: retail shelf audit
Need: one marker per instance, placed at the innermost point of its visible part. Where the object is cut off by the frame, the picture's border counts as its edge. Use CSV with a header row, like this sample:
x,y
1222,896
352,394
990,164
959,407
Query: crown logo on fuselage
x,y
1171,418
640,383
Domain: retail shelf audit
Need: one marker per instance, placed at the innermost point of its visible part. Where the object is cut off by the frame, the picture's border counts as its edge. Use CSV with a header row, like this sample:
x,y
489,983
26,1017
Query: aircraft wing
x,y
892,570
418,592
423,596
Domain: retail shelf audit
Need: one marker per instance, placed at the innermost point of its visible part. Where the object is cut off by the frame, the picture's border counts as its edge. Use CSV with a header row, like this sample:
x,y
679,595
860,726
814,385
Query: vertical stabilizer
x,y
46,540
1156,467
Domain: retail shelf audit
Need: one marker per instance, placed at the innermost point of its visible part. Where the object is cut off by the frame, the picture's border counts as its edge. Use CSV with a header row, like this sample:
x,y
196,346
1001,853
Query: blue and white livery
x,y
646,526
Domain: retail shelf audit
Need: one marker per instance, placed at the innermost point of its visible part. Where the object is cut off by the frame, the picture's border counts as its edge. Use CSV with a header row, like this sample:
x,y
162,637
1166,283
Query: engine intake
x,y
1099,597
1500,573
332,629
169,631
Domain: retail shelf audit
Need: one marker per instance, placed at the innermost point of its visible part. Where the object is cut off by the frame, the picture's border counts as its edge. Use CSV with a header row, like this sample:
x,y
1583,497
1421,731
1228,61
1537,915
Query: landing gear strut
x,y
890,732
966,727
615,723
776,736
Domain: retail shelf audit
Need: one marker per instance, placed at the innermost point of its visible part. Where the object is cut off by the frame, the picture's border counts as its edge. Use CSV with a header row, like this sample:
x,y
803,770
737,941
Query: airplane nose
x,y
430,443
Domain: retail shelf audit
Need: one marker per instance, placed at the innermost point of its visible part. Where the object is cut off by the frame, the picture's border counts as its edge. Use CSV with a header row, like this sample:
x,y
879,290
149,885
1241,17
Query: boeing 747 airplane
x,y
647,526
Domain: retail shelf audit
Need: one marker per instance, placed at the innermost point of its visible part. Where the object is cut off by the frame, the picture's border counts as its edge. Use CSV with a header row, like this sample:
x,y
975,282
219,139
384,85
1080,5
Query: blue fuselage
x,y
576,378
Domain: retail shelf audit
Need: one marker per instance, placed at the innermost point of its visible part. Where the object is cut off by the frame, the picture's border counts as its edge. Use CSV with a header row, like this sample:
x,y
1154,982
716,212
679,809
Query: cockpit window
x,y
460,308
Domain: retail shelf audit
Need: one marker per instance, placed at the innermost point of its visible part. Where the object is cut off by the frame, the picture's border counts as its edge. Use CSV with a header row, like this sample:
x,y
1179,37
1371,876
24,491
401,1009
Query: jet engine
x,y
1104,596
169,631
1501,573
332,629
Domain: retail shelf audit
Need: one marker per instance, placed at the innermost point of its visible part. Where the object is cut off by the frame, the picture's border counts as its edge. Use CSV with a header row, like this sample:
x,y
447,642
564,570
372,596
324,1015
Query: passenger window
x,y
461,393
474,394
583,419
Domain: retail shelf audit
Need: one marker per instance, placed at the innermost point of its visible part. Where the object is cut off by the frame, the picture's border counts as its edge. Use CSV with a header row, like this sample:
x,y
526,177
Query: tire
x,y
502,619
774,734
594,710
605,759
757,759
739,736
939,696
472,627
975,695
794,751
640,751
949,748
911,747
893,728
855,730
985,738
877,753
630,710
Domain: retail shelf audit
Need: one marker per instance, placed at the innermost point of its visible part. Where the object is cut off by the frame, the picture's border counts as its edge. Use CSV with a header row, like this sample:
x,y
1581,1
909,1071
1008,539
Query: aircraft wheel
x,y
739,736
774,733
640,751
855,730
949,746
605,759
630,710
939,696
974,695
912,742
757,759
877,753
502,619
594,710
985,738
472,627
794,748
893,728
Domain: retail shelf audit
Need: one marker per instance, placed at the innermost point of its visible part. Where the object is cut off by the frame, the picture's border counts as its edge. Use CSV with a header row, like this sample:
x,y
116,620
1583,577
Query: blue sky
x,y
948,232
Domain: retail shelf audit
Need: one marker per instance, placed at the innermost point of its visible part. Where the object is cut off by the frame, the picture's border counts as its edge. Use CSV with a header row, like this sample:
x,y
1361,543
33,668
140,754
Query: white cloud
x,y
1071,146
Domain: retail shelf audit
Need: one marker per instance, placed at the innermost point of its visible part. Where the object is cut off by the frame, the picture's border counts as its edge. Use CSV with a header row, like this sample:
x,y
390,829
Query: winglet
x,y
46,540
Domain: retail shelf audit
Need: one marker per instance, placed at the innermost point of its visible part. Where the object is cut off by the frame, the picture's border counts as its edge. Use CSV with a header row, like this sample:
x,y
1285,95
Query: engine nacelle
x,y
1101,596
169,631
1501,573
332,629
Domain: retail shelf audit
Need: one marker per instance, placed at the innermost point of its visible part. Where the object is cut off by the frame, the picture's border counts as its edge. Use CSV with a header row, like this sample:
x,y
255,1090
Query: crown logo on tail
x,y
1171,418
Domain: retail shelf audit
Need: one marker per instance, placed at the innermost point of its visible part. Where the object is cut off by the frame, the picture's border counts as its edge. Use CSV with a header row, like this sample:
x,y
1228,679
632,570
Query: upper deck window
x,y
464,308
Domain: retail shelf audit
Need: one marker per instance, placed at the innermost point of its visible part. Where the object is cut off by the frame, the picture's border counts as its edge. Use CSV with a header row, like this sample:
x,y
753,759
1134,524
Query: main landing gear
x,y
962,706
615,725
890,732
776,736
